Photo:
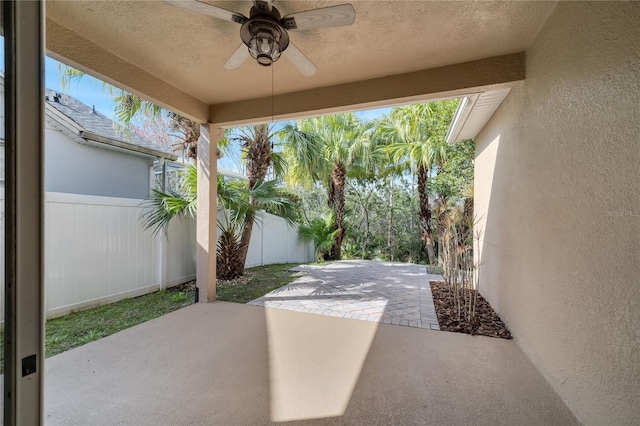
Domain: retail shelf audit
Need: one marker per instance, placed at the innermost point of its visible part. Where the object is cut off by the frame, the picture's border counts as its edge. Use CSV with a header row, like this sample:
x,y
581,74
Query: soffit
x,y
473,113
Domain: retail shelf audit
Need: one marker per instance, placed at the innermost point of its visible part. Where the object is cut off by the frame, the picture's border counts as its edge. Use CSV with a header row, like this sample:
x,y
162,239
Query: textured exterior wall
x,y
81,169
558,197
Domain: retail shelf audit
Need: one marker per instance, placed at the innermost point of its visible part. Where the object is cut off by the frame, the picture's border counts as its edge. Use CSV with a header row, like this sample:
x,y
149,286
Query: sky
x,y
88,90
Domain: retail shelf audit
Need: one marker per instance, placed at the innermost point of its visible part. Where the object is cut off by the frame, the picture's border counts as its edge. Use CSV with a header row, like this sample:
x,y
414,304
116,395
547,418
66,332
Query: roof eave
x,y
126,146
76,128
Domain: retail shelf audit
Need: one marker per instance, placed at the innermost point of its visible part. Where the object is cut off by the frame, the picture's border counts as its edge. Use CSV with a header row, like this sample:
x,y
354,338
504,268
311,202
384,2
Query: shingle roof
x,y
90,121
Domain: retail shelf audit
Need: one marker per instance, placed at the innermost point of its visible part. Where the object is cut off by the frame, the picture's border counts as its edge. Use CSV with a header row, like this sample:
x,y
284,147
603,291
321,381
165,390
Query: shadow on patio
x,y
226,363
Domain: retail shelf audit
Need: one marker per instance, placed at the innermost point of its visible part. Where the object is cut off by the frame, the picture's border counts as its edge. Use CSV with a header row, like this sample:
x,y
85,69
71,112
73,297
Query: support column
x,y
210,134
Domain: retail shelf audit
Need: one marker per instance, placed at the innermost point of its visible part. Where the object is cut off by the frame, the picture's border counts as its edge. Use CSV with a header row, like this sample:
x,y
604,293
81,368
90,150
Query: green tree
x,y
328,149
415,138
240,206
257,143
456,172
322,232
382,220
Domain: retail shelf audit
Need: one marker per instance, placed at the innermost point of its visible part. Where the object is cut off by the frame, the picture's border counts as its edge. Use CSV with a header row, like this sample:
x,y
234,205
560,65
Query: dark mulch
x,y
487,322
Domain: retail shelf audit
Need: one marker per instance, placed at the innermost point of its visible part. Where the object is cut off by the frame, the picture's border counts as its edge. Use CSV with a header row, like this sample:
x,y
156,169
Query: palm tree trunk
x,y
338,177
258,161
425,213
258,151
245,239
229,249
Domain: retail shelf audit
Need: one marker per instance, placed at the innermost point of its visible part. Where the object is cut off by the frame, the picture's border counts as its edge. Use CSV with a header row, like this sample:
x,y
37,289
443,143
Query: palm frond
x,y
161,207
321,232
128,106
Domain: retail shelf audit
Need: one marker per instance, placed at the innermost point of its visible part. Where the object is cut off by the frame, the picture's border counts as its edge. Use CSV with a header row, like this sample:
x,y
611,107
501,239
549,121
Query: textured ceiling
x,y
188,50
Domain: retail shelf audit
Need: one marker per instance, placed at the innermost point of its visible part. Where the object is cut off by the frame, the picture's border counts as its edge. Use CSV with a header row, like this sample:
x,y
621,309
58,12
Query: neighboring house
x,y
88,153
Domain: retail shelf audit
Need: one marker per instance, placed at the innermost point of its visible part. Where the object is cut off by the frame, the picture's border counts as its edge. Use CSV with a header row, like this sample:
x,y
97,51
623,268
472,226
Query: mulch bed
x,y
487,322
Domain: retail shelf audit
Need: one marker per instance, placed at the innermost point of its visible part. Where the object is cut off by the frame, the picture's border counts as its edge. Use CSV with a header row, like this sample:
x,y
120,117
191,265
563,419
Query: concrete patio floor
x,y
388,292
233,364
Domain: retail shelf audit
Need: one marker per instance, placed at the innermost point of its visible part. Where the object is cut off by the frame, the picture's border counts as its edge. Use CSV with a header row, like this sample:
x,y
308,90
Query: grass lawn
x,y
255,283
78,328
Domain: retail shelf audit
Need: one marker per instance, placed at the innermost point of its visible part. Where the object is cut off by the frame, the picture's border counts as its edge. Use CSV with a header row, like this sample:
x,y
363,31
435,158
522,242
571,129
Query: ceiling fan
x,y
265,34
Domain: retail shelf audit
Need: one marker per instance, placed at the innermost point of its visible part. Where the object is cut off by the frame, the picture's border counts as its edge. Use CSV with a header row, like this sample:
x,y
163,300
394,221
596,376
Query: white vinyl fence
x,y
274,241
96,251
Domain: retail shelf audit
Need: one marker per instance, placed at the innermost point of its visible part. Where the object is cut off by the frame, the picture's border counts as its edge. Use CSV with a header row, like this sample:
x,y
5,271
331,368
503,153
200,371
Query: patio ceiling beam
x,y
447,81
81,53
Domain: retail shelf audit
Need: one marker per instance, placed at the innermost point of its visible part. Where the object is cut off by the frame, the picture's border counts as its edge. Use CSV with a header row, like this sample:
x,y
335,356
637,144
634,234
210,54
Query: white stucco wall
x,y
557,193
75,168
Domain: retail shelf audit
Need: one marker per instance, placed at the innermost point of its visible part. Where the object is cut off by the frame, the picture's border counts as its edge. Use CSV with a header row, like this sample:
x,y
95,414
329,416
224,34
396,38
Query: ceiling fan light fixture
x,y
265,39
264,47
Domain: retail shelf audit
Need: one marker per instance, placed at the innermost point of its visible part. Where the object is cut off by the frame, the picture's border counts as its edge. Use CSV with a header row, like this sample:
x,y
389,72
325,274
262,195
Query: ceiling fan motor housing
x,y
264,36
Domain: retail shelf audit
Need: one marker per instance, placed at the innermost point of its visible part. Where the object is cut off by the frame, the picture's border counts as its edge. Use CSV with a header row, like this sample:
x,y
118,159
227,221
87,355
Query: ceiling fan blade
x,y
208,9
334,16
299,60
238,57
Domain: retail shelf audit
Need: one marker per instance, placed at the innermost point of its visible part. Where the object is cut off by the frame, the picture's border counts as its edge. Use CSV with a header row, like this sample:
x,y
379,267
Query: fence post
x,y
288,243
261,227
161,239
162,245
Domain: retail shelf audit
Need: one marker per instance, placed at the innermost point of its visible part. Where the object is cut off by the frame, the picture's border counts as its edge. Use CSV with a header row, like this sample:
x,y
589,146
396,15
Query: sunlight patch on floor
x,y
314,365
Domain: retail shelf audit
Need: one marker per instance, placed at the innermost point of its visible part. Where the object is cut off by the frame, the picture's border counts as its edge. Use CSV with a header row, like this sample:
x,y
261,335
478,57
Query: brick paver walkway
x,y
391,293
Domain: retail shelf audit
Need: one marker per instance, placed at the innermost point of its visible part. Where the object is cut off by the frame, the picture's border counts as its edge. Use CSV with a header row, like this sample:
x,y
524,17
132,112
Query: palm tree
x,y
240,208
415,137
322,232
257,144
328,149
